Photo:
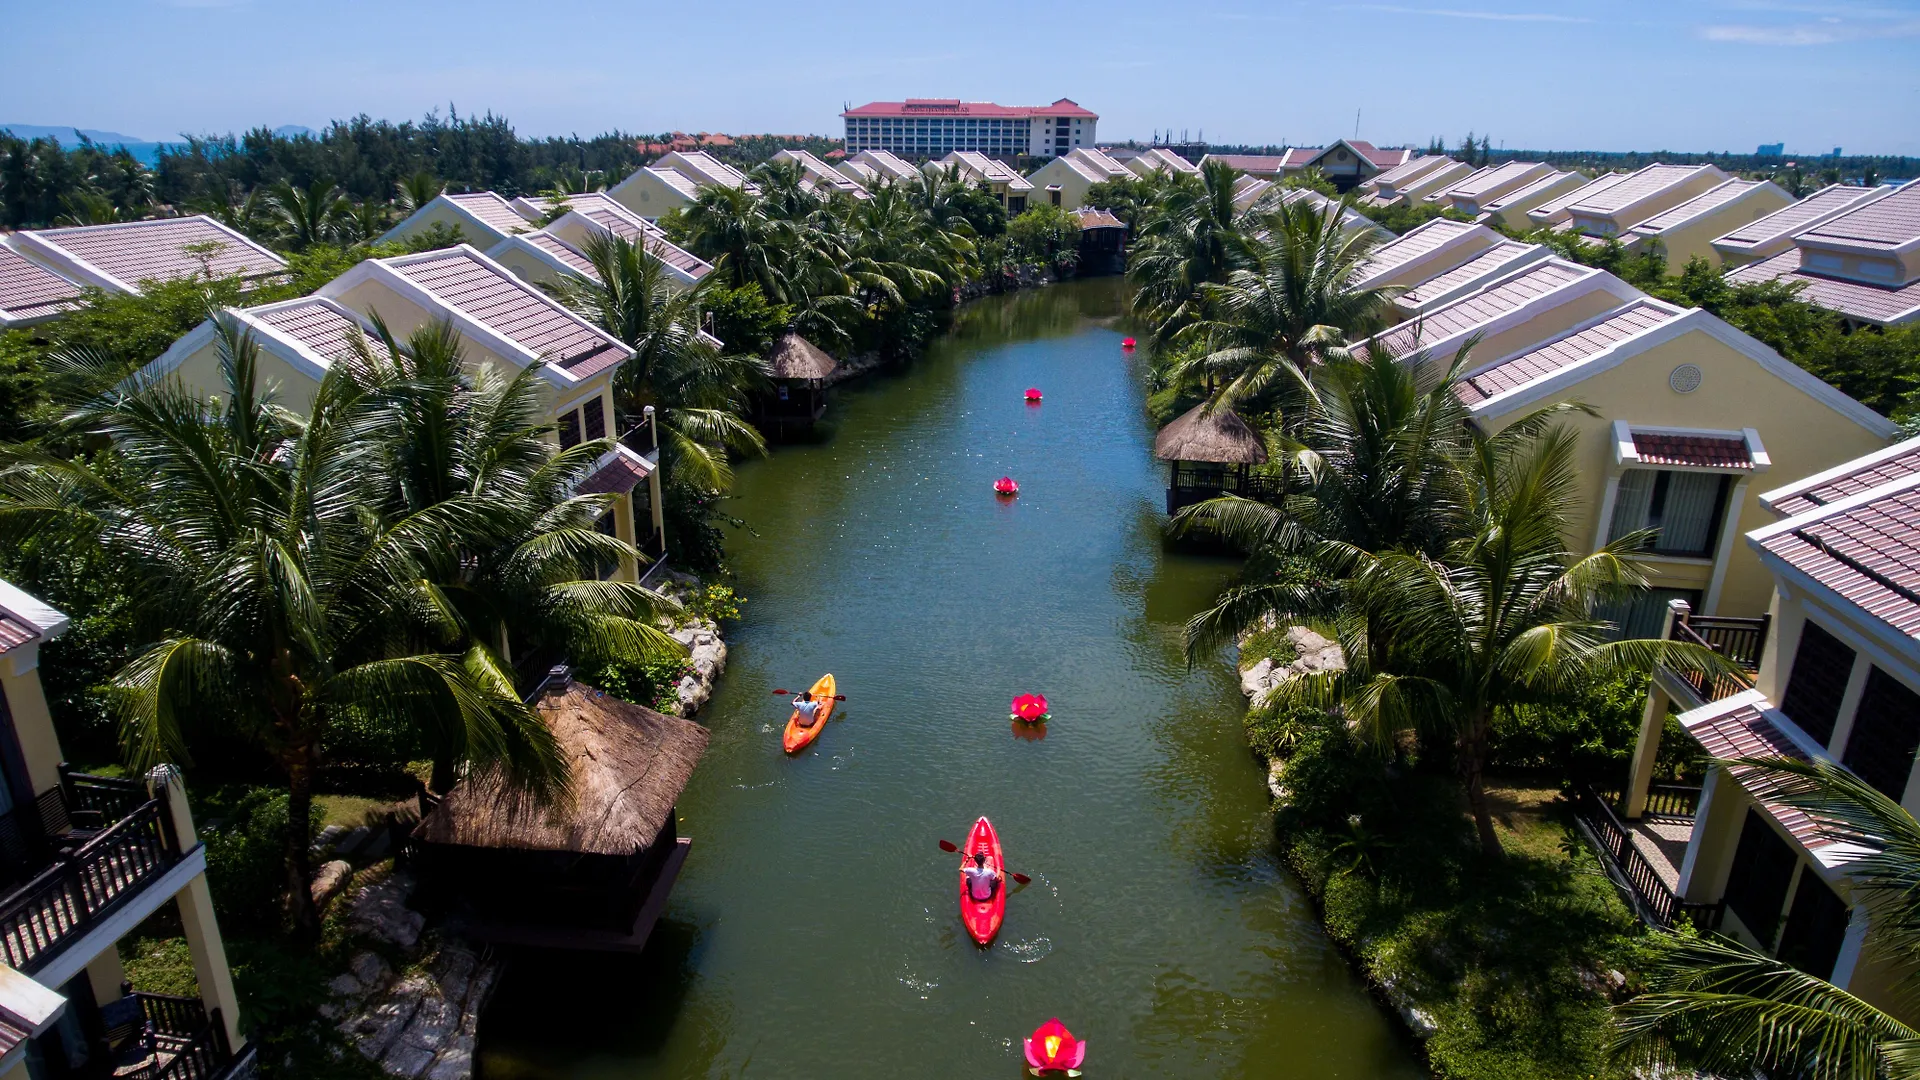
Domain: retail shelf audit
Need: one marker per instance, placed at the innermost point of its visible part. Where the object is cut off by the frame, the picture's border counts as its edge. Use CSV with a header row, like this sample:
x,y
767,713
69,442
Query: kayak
x,y
797,738
983,920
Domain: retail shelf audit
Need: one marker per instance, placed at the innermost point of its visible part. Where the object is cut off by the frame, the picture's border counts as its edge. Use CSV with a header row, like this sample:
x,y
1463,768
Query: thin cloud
x,y
1831,32
1485,16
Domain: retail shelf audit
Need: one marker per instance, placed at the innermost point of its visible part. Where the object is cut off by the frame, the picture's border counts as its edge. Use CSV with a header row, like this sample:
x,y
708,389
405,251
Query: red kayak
x,y
983,918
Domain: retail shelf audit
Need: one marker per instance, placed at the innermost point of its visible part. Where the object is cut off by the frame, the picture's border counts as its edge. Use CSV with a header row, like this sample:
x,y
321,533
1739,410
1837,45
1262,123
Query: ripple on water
x,y
923,987
1028,952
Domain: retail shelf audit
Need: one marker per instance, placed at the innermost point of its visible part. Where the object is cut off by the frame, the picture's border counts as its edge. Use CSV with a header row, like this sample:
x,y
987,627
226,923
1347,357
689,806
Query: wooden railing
x,y
1658,903
100,799
64,900
1670,801
171,1014
1739,640
206,1055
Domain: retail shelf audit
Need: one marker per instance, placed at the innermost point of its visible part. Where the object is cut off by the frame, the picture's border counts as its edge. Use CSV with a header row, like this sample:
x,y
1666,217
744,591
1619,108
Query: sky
x,y
1683,75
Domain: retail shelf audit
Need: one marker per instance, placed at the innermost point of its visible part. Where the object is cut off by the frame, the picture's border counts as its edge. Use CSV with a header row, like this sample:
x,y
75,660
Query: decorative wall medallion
x,y
1685,379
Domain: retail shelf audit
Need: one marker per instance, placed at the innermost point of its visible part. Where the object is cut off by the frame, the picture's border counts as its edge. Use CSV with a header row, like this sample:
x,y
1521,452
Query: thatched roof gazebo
x,y
1211,453
593,869
799,370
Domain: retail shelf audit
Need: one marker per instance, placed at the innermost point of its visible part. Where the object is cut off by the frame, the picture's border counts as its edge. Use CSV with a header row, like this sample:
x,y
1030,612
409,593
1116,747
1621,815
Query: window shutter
x,y
1816,928
1762,870
1886,732
596,413
1687,517
1631,503
1821,666
570,429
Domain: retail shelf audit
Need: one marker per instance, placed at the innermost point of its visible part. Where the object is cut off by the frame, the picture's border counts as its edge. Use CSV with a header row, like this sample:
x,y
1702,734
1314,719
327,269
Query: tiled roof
x,y
707,168
992,171
1251,163
492,211
1525,191
676,180
1445,191
622,473
889,163
1418,241
914,107
15,632
512,309
542,204
1482,265
1634,187
1593,188
315,323
1413,166
1789,219
1889,223
1867,552
31,291
1700,451
1297,156
1098,219
573,258
1473,187
822,173
624,223
1884,304
1562,352
1706,202
137,251
1865,475
1470,311
1746,732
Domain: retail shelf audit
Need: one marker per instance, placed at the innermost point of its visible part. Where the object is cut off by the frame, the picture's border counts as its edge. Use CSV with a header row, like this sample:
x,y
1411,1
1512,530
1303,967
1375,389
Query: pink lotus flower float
x,y
1033,395
1005,486
1127,344
1032,708
1052,1048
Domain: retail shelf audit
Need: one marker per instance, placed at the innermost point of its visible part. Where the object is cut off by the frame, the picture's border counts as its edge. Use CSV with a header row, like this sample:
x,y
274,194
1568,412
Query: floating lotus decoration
x,y
1052,1048
1032,708
1033,395
1006,486
1127,344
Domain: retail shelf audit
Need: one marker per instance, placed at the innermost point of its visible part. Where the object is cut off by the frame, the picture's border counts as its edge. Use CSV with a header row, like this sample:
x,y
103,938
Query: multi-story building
x,y
927,128
84,860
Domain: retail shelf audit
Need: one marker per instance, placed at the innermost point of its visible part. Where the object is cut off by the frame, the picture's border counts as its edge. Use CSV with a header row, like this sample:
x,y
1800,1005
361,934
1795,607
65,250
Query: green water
x,y
814,931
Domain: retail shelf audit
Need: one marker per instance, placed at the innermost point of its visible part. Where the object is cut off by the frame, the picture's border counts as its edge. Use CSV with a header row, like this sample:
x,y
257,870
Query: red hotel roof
x,y
1883,304
513,309
1892,222
916,107
31,291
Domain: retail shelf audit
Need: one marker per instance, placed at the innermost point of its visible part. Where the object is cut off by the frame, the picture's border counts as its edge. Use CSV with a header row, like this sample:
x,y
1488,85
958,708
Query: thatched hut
x,y
590,871
799,370
1211,453
1103,242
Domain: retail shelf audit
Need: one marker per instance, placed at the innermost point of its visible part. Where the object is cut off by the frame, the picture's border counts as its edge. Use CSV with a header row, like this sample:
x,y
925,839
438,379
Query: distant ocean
x,y
146,151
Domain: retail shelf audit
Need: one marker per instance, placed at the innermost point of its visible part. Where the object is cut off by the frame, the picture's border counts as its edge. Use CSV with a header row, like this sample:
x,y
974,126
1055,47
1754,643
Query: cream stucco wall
x,y
33,725
292,387
1073,186
647,195
1696,236
442,213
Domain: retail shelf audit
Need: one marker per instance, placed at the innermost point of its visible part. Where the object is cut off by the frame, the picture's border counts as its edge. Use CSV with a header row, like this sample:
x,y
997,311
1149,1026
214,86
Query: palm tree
x,y
1717,1005
1290,307
1439,645
1191,239
315,214
730,227
698,391
275,598
415,191
86,206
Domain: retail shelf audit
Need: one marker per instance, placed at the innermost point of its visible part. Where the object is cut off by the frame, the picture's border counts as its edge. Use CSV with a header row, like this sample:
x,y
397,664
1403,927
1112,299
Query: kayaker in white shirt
x,y
980,879
808,708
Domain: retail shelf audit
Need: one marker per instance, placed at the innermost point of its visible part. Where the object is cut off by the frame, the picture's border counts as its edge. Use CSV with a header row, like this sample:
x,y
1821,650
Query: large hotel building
x,y
936,127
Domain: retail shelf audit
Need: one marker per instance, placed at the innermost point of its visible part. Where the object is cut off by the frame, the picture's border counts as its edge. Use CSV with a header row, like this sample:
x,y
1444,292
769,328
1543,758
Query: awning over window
x,y
1675,448
619,473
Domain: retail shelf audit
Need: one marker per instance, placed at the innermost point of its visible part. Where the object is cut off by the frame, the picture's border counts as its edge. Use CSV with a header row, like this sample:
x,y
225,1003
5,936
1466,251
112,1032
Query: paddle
x,y
948,845
784,693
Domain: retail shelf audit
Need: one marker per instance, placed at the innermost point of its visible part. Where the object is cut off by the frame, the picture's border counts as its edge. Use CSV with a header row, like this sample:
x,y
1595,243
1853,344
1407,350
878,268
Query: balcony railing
x,y
1668,801
1740,640
1654,898
1189,486
84,884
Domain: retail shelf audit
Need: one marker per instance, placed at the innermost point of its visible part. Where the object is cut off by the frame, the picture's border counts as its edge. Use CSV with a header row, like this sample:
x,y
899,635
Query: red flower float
x,y
1032,708
1127,344
1006,486
1033,395
1052,1048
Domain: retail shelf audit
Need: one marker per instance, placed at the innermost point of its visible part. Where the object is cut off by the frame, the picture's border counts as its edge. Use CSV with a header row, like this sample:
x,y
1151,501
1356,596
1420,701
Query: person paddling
x,y
808,709
982,881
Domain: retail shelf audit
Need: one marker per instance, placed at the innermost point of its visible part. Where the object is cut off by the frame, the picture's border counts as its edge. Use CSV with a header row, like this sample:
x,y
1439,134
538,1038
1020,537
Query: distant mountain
x,y
294,131
64,135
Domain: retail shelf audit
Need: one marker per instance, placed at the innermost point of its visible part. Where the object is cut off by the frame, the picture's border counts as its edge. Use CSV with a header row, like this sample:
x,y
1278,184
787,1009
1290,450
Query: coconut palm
x,y
315,214
730,227
698,391
1191,239
1288,309
417,190
275,598
1717,1005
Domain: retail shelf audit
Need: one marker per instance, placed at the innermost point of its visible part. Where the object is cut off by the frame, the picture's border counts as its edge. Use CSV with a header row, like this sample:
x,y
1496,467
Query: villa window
x,y
1762,871
570,429
1817,682
1886,732
1644,615
1816,928
1683,508
596,417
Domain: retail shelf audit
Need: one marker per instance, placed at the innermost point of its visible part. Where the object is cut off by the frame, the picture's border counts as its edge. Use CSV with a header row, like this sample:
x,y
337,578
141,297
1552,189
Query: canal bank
x,y
814,932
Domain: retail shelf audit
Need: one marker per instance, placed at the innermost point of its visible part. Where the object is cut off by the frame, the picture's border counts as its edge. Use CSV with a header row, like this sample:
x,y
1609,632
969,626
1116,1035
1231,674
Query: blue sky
x,y
1563,74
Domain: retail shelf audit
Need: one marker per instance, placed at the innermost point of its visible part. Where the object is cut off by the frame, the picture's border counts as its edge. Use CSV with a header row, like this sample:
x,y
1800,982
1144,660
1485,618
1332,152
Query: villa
x,y
1347,162
559,250
84,861
1862,264
1830,672
1510,210
1660,453
674,181
1159,160
1686,231
1471,194
1765,237
821,176
871,168
1613,211
481,218
43,271
1394,188
1552,212
1067,178
1491,263
979,170
1423,252
1413,169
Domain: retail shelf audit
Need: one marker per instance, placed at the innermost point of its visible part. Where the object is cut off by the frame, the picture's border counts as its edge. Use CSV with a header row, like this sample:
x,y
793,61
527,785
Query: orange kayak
x,y
797,738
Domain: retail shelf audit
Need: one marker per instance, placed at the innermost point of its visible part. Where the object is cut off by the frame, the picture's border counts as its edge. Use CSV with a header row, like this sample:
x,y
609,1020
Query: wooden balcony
x,y
1188,486
1739,640
163,1037
1643,856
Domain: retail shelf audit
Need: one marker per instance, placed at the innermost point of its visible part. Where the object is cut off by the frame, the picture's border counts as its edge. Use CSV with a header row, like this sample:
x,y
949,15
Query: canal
x,y
814,931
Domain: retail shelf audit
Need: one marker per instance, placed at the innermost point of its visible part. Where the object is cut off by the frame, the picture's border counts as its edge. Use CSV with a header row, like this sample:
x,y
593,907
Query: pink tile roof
x,y
1380,159
137,251
1634,187
1477,185
512,309
1525,191
618,476
1251,163
624,223
1700,451
492,211
1789,219
1869,473
676,180
1098,219
992,170
820,172
889,163
15,632
1882,304
570,256
1563,352
1889,223
1704,203
1746,732
1482,307
1418,241
31,291
314,323
1591,189
1867,552
1413,166
586,201
1486,263
1446,190
913,107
